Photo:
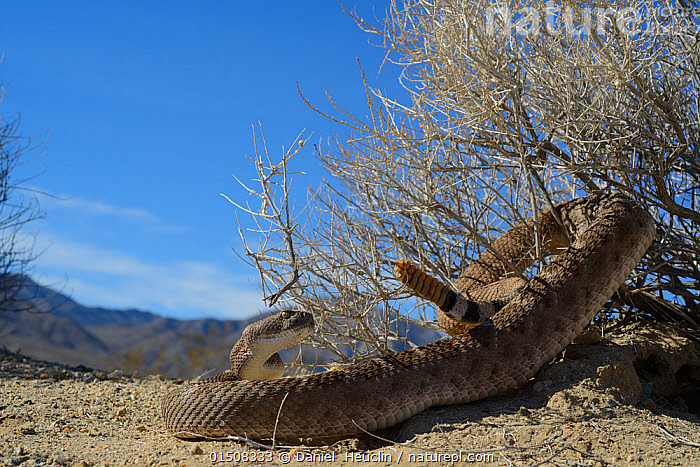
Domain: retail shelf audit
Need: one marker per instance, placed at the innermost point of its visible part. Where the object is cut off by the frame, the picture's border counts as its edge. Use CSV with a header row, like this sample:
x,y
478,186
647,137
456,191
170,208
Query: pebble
x,y
116,374
543,386
591,336
121,411
648,404
197,450
101,375
20,451
27,429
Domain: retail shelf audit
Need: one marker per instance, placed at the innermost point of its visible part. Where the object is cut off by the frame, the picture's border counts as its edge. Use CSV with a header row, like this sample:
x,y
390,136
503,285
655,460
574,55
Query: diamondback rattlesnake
x,y
609,235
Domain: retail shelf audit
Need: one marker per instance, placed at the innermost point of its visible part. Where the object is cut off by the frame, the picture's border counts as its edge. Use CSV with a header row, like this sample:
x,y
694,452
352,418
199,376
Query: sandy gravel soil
x,y
626,400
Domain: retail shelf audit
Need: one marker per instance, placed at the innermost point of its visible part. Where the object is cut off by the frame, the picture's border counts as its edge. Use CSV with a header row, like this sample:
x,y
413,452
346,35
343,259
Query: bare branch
x,y
17,209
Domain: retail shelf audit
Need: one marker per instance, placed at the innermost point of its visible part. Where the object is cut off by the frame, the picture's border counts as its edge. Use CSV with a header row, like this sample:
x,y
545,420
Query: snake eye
x,y
286,314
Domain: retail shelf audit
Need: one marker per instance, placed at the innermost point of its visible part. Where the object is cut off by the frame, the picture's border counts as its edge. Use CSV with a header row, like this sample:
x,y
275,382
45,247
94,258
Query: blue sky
x,y
147,109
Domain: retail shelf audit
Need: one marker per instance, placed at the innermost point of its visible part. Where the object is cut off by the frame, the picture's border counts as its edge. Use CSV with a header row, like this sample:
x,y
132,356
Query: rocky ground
x,y
628,399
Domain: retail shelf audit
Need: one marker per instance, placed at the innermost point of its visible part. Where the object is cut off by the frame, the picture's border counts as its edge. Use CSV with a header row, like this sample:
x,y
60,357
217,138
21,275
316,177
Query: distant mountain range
x,y
62,330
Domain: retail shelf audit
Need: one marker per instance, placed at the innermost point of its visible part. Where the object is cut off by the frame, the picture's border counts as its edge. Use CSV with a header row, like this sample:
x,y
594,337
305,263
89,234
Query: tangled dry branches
x,y
512,107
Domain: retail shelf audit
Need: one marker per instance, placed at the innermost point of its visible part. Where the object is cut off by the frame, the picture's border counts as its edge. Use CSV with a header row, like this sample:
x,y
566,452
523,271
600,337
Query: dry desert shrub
x,y
511,107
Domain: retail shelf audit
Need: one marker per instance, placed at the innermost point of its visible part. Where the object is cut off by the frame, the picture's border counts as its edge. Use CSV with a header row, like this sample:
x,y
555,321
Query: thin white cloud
x,y
84,206
102,277
98,207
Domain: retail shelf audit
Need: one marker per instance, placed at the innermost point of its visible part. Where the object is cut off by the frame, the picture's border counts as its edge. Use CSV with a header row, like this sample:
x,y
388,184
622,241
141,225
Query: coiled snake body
x,y
609,235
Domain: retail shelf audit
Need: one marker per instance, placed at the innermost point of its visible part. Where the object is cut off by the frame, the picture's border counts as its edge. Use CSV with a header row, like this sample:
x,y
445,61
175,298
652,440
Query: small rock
x,y
591,336
197,450
621,381
116,374
543,386
59,460
101,375
121,411
27,430
577,351
20,451
18,460
566,401
648,404
141,428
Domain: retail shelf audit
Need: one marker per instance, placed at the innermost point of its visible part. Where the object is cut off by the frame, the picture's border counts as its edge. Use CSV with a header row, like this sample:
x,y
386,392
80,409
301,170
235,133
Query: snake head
x,y
281,330
294,319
